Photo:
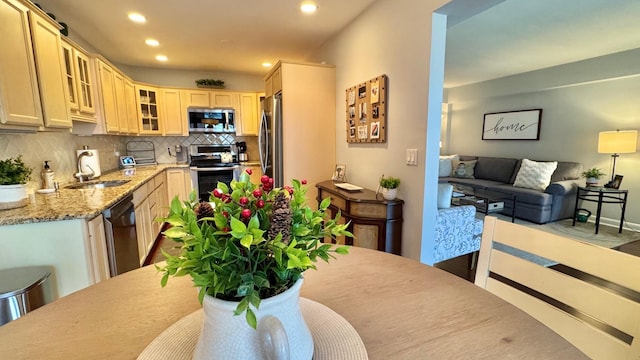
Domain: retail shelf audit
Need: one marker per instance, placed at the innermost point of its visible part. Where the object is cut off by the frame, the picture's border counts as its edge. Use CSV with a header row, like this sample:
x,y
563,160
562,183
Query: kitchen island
x,y
65,229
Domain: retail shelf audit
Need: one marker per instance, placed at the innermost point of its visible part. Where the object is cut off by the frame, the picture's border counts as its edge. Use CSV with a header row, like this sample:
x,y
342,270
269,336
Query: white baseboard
x,y
615,223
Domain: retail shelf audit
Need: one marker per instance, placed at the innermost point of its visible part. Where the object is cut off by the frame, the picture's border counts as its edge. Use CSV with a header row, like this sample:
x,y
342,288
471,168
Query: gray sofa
x,y
493,175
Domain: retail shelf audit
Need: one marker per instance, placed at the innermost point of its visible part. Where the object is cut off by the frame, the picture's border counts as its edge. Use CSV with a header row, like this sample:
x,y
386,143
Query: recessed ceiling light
x,y
308,7
162,58
266,64
135,17
152,42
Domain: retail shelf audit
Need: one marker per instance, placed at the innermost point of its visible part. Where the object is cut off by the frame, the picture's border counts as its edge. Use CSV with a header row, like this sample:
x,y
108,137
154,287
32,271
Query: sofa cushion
x,y
567,171
494,168
472,183
523,195
535,175
445,191
445,167
463,169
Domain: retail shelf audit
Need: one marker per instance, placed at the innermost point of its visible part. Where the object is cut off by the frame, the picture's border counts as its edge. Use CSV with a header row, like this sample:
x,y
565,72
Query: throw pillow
x,y
445,168
463,168
534,174
445,191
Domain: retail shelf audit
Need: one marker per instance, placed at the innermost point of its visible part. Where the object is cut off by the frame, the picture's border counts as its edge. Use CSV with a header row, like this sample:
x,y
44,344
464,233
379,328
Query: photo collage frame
x,y
366,105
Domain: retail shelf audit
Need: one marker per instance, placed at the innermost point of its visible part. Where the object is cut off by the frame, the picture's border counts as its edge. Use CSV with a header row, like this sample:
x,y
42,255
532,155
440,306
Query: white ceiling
x,y
511,37
517,36
221,35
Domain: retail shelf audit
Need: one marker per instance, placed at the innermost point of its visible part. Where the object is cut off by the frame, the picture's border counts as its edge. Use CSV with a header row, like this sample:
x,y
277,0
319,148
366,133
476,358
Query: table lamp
x,y
616,143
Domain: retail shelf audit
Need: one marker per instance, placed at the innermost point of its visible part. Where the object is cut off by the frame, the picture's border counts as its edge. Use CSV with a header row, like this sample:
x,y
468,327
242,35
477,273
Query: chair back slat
x,y
602,323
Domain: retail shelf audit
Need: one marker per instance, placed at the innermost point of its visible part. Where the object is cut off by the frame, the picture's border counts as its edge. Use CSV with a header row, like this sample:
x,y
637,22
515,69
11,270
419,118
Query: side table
x,y
376,223
601,195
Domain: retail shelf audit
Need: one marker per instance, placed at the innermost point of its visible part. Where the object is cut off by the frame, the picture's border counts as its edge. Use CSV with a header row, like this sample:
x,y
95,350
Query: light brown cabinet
x,y
211,99
148,115
130,103
79,76
99,259
178,183
110,112
375,223
247,115
19,95
47,48
173,116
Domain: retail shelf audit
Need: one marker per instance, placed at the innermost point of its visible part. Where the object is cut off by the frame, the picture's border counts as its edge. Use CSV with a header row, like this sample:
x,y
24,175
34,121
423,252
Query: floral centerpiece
x,y
249,242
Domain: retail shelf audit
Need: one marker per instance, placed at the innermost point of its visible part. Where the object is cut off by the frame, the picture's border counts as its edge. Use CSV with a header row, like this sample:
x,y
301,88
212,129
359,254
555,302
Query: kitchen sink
x,y
97,184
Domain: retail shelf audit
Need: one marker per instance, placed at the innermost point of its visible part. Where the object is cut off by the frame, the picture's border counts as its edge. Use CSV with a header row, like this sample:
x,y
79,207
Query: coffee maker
x,y
242,151
180,154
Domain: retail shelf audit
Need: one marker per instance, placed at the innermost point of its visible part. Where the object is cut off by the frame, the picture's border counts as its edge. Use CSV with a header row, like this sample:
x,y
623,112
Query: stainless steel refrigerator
x,y
270,139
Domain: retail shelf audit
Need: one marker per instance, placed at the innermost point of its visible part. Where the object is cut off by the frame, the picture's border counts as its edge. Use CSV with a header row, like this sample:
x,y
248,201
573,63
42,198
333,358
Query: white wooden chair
x,y
602,323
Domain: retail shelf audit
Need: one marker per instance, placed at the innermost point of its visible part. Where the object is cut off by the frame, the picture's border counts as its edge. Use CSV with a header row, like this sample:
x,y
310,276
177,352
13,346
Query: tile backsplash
x,y
60,149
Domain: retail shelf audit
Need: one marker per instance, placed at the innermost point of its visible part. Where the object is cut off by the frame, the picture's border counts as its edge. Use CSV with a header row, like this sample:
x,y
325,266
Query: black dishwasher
x,y
122,242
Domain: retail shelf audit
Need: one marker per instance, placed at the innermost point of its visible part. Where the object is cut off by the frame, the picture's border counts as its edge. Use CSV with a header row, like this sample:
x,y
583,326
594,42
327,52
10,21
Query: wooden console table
x,y
376,223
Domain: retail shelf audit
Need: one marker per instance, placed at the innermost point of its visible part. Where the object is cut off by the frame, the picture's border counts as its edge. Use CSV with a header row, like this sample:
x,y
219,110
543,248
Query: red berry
x,y
243,200
270,181
245,213
260,204
257,193
217,193
225,214
290,190
226,229
267,187
264,179
304,182
249,171
226,198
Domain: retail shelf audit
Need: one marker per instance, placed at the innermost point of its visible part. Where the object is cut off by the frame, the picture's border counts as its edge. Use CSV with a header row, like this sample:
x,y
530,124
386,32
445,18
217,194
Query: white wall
x,y
393,38
578,101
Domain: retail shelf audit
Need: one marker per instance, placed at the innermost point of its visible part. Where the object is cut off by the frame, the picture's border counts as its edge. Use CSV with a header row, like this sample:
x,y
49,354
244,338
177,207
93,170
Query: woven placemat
x,y
333,336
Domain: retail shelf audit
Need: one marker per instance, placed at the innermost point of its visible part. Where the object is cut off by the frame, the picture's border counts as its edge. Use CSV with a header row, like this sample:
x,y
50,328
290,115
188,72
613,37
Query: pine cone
x,y
281,218
203,209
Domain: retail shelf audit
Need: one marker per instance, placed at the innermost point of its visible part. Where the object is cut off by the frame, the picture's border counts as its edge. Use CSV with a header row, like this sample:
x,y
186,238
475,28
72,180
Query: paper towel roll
x,y
88,163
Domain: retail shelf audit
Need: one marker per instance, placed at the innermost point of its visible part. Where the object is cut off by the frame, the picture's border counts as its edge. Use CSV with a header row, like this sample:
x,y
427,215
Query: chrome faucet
x,y
81,175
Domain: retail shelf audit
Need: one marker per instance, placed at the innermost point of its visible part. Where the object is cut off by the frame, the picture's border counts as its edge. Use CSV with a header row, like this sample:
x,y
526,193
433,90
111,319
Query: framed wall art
x,y
366,108
512,125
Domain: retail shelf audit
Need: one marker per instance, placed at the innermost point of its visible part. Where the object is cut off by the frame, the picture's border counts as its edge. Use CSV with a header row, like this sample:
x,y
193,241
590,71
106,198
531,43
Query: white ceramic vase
x,y
389,194
592,181
13,196
281,334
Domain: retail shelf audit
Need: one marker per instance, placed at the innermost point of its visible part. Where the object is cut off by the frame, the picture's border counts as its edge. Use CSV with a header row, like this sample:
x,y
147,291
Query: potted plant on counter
x,y
246,250
14,175
593,175
389,187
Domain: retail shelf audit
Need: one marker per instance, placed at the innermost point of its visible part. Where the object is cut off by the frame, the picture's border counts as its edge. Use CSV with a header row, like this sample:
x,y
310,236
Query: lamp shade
x,y
618,142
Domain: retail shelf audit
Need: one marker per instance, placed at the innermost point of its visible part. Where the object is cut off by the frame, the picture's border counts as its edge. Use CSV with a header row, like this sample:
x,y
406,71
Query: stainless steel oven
x,y
211,164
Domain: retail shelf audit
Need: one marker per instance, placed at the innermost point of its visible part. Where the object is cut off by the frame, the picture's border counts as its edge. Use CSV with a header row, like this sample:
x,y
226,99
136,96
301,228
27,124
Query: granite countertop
x,y
250,163
68,204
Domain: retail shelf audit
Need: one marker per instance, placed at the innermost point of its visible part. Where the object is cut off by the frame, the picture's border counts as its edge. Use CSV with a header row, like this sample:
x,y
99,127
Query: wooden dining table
x,y
401,309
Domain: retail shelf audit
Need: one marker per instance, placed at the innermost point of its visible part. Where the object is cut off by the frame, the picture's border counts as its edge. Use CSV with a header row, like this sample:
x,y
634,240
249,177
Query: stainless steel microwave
x,y
207,120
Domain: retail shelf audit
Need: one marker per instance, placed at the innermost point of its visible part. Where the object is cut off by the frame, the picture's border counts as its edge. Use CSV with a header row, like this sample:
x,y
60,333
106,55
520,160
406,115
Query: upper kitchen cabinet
x,y
247,115
47,47
80,76
148,106
172,113
132,108
204,98
32,84
18,82
108,94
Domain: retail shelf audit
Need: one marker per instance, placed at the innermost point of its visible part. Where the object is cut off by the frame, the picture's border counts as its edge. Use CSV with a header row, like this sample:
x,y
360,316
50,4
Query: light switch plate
x,y
412,157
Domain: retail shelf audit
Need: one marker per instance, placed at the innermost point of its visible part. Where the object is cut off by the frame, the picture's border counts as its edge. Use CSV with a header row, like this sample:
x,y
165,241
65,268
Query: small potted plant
x,y
593,175
14,175
246,250
389,187
210,83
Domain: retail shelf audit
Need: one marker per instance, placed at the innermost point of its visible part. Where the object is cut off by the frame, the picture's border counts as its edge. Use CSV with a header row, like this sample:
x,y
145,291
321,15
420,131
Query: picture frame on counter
x,y
339,174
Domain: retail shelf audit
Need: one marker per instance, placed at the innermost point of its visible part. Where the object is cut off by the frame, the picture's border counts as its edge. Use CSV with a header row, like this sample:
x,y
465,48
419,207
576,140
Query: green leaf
x,y
251,319
175,232
242,306
246,241
342,250
176,205
165,278
325,204
238,226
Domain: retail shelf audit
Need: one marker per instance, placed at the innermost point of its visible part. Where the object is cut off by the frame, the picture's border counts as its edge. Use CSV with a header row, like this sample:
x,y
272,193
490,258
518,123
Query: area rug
x,y
607,236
